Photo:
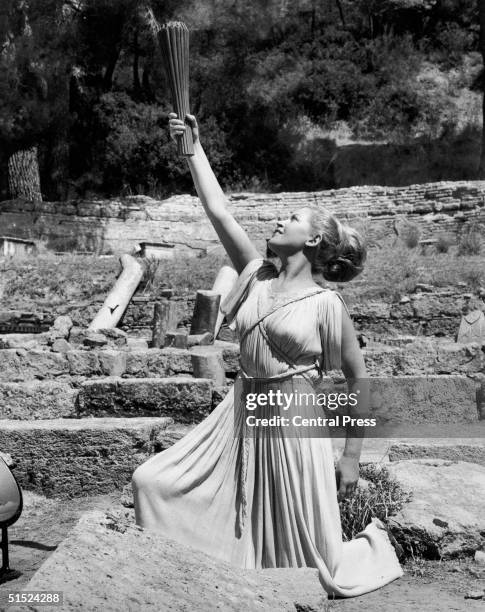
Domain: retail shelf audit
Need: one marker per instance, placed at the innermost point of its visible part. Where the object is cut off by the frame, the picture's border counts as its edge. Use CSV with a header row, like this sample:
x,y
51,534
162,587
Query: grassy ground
x,y
392,269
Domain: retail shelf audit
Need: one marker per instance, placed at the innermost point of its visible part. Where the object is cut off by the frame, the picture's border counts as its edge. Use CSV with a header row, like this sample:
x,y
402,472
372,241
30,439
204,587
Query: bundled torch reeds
x,y
173,37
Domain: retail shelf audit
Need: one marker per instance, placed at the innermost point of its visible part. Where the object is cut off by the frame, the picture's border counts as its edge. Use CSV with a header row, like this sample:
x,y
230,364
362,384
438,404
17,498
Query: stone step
x,y
172,434
413,400
380,450
444,400
76,457
424,356
48,399
419,400
471,450
22,363
186,399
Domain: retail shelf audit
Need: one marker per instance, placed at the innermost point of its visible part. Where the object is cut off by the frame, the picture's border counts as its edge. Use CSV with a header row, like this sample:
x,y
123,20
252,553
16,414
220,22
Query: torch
x,y
173,38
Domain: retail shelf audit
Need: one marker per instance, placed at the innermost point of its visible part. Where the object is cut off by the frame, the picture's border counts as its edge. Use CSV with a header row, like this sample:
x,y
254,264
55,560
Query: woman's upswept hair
x,y
341,254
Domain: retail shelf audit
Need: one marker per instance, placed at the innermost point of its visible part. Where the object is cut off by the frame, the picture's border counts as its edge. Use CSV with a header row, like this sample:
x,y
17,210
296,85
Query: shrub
x,y
412,235
151,266
382,498
470,243
474,278
443,243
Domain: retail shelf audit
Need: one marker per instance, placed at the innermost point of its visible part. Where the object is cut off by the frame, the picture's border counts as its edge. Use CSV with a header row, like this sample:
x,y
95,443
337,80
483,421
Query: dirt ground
x,y
427,585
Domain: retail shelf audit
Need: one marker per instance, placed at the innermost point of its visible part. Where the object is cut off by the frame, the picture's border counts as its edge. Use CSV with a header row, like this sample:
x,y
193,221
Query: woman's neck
x,y
295,270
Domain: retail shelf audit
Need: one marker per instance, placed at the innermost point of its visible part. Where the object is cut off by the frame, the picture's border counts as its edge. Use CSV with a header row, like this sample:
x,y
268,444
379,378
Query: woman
x,y
272,500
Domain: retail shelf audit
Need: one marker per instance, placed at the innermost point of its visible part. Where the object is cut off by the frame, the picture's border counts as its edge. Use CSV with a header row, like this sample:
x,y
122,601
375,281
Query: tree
x,y
481,15
21,80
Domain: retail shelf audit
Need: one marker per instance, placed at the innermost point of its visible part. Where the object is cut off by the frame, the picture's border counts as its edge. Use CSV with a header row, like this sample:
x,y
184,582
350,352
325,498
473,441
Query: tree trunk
x,y
136,66
341,13
23,175
481,13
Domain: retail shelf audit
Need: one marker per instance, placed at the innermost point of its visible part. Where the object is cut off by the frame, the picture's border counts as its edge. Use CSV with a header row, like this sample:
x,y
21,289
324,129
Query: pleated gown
x,y
268,501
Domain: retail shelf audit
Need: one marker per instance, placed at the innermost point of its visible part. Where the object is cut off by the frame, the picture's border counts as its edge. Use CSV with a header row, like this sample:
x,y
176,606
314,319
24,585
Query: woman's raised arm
x,y
233,237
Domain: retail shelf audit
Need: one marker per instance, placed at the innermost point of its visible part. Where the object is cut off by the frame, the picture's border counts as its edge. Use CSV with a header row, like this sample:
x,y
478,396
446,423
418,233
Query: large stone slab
x,y
17,365
445,518
104,565
443,400
186,399
470,450
25,341
47,399
75,457
424,356
107,362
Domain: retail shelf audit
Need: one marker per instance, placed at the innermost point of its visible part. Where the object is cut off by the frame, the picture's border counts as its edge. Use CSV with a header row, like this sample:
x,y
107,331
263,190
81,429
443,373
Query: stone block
x,y
137,344
168,436
471,451
17,365
207,362
94,339
112,362
444,401
176,339
205,339
445,517
62,326
24,341
83,363
75,457
116,337
37,400
158,362
60,345
178,361
432,306
108,561
463,358
374,310
186,399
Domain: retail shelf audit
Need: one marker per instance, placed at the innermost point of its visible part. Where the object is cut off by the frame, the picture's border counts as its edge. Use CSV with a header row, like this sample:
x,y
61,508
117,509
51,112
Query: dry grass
x,y
392,270
47,280
383,497
470,242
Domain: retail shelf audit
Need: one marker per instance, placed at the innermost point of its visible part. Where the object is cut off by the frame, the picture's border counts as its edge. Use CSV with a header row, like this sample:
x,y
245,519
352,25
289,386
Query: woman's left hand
x,y
347,473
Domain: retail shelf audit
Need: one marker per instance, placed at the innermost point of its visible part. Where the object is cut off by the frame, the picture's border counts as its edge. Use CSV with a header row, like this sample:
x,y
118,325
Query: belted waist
x,y
292,371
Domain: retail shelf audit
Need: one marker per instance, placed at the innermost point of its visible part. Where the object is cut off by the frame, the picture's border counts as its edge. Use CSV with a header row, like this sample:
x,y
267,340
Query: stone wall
x,y
420,314
119,225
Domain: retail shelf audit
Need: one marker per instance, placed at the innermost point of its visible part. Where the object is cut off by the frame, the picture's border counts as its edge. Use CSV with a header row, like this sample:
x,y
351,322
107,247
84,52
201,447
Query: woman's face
x,y
294,233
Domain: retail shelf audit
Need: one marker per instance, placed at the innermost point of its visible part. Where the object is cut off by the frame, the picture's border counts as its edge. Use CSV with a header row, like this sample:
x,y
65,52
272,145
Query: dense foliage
x,y
277,87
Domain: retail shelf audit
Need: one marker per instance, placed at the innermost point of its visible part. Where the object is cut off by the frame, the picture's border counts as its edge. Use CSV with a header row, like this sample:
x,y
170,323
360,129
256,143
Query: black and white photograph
x,y
242,305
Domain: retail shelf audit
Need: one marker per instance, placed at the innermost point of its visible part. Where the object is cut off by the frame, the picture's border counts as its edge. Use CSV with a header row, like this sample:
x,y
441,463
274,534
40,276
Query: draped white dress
x,y
270,502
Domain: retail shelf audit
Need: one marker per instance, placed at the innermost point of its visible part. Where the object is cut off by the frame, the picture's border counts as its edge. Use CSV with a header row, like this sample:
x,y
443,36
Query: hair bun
x,y
341,253
350,257
340,270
